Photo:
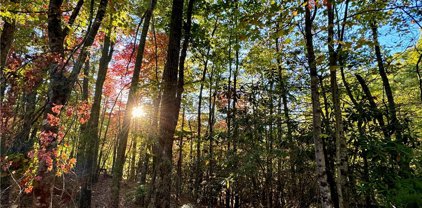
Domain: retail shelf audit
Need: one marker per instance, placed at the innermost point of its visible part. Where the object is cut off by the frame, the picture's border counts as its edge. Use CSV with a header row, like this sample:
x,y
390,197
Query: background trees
x,y
282,103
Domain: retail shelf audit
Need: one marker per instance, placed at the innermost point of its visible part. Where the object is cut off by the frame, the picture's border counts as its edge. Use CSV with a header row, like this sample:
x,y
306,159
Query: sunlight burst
x,y
138,112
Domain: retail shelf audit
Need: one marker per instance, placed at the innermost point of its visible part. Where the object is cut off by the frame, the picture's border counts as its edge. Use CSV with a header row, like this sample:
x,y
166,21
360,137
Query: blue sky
x,y
395,41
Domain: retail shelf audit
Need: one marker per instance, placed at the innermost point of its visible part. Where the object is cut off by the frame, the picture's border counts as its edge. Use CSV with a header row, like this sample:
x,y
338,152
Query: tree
x,y
123,134
316,111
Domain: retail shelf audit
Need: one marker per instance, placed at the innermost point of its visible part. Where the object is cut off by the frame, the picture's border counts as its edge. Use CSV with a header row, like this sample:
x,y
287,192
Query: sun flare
x,y
138,112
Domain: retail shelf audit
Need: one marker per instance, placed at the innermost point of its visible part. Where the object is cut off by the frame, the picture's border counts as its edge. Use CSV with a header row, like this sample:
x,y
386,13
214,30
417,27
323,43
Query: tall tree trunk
x,y
394,124
180,159
191,166
149,199
169,108
211,121
123,133
341,148
235,122
286,115
80,167
229,118
366,177
198,171
59,92
153,135
328,144
198,147
269,174
6,40
42,191
316,113
89,134
101,162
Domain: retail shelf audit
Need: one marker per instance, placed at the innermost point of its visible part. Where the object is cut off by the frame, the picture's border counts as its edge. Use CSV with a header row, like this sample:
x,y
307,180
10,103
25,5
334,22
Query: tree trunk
x,y
59,92
198,171
6,40
154,133
198,147
395,124
229,116
341,148
169,109
269,174
374,108
133,160
235,123
80,158
211,121
316,113
89,134
180,160
123,134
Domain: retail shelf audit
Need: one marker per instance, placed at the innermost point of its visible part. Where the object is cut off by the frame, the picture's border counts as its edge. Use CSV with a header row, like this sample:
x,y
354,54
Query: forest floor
x,y
101,193
101,196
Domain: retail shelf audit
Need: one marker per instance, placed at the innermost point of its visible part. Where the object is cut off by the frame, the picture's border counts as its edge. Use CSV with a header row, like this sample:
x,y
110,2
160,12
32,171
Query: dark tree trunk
x,y
90,132
198,166
180,159
211,121
269,174
80,166
374,108
123,134
59,91
6,40
394,124
42,190
170,106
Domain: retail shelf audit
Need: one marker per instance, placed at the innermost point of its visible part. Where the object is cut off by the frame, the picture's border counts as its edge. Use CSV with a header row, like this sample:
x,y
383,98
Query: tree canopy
x,y
159,103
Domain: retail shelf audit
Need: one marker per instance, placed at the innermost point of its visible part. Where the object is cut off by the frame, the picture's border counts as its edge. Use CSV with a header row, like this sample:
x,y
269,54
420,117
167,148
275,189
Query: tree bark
x,y
180,160
170,107
316,113
341,148
59,91
6,40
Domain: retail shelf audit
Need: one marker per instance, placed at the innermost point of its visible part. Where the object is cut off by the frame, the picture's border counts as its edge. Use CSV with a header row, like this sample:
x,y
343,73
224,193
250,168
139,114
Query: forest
x,y
211,103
